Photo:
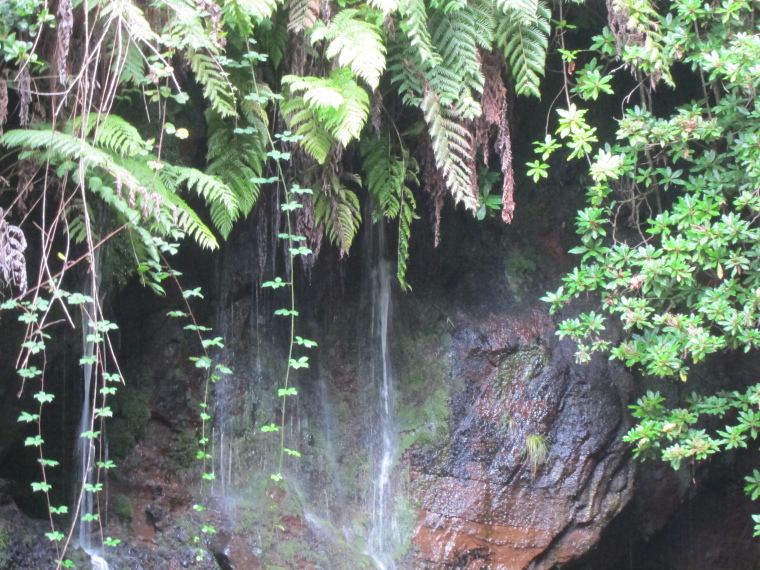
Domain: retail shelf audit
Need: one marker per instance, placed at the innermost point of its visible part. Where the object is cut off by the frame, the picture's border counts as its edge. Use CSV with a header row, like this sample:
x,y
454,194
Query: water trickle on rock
x,y
85,447
381,539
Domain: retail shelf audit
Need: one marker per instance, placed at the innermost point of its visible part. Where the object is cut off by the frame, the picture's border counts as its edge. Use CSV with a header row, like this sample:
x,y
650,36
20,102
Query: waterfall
x,y
380,540
85,448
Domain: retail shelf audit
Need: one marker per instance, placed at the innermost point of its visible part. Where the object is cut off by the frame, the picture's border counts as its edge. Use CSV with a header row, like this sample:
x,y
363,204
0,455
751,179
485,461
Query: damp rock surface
x,y
535,468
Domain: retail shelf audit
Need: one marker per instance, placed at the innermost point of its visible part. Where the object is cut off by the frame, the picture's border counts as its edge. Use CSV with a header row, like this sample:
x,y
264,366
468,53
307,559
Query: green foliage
x,y
523,35
324,111
390,180
682,279
118,157
356,43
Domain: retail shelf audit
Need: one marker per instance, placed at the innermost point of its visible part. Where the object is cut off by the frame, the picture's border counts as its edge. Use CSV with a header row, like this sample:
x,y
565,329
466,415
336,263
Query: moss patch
x,y
121,506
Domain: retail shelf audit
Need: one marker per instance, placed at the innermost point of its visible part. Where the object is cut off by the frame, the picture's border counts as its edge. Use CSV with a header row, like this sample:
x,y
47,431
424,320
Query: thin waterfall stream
x,y
380,543
85,448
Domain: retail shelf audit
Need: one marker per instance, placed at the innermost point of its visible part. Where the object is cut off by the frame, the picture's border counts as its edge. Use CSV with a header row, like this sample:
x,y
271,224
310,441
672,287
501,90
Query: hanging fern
x,y
414,25
303,14
216,85
337,208
273,37
388,180
386,6
235,156
452,148
130,18
358,44
241,15
325,110
523,35
124,161
458,78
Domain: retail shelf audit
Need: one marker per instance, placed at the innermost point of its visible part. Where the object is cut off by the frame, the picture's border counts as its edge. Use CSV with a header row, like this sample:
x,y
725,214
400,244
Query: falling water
x,y
85,448
380,544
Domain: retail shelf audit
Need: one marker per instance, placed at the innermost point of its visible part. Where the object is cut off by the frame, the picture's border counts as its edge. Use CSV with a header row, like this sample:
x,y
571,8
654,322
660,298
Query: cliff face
x,y
534,469
505,454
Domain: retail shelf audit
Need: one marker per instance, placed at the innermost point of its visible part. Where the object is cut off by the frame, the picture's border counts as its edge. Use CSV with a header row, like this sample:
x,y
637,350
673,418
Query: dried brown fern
x,y
495,113
12,260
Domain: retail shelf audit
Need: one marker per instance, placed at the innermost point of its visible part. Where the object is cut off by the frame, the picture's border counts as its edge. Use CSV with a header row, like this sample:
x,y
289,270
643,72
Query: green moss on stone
x,y
121,506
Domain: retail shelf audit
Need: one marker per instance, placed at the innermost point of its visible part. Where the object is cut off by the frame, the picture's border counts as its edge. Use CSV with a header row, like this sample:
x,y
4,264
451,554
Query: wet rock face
x,y
534,469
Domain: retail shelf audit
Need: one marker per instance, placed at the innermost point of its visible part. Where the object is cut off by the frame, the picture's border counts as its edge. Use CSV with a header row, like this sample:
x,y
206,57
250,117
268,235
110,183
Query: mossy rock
x,y
121,506
131,407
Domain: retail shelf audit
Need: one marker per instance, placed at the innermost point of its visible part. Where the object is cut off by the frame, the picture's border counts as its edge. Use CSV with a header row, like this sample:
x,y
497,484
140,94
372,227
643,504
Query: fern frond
x,y
140,180
235,157
243,14
358,44
388,178
60,147
452,148
118,136
348,120
132,63
216,85
302,120
273,37
325,109
186,30
524,37
172,204
415,25
386,6
339,212
127,15
303,14
220,198
459,79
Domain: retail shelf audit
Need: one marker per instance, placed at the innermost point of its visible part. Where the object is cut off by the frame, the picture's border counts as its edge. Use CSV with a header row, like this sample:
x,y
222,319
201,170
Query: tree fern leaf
x,y
187,219
386,6
316,139
216,86
523,37
221,199
236,157
339,213
457,36
134,174
452,148
273,37
303,14
241,14
357,44
325,109
117,135
415,25
388,178
132,63
349,119
316,92
129,17
59,147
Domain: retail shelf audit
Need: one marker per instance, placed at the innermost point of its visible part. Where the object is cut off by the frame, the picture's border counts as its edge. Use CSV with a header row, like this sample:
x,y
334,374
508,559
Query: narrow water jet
x,y
380,546
85,447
